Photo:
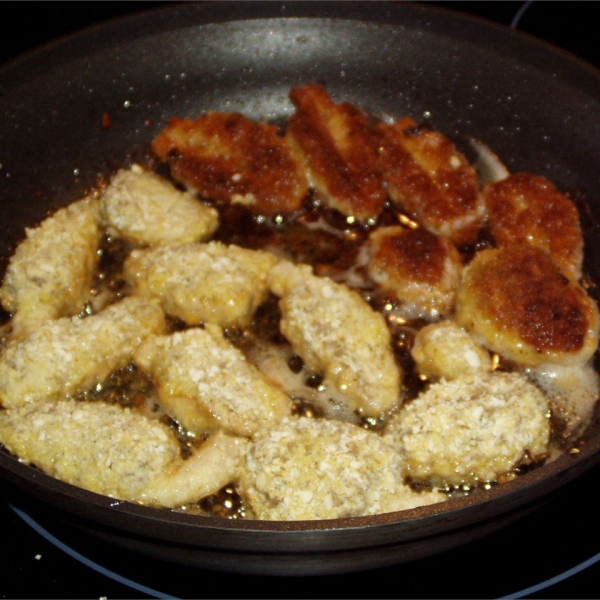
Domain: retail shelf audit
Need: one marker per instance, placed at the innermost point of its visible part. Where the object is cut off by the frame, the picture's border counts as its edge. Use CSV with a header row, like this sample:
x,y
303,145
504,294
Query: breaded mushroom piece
x,y
215,464
430,179
446,351
339,152
144,208
68,355
115,451
417,268
50,274
212,282
308,469
230,158
515,301
337,333
205,383
472,429
529,209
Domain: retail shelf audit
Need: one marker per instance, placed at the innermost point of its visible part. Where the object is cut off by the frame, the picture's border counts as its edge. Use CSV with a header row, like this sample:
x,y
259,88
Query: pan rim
x,y
590,454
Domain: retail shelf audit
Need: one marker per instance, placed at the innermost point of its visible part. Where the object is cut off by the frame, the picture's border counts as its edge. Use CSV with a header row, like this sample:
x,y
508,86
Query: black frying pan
x,y
536,107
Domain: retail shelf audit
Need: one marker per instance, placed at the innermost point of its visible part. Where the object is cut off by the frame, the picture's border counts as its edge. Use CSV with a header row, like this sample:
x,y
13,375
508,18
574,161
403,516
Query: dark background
x,y
552,554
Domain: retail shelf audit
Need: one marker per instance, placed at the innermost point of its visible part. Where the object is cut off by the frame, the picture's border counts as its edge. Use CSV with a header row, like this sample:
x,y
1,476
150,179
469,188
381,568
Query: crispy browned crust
x,y
230,158
520,292
412,254
339,151
430,179
527,208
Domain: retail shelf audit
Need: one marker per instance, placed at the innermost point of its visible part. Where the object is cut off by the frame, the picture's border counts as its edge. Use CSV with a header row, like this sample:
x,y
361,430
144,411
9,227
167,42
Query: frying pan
x,y
538,108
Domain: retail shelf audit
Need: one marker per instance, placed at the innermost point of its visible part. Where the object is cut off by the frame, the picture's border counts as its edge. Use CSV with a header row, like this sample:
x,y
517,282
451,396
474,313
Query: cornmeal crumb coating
x,y
307,469
69,355
50,274
337,333
528,209
206,383
417,268
446,351
472,429
200,283
144,208
230,158
516,302
104,448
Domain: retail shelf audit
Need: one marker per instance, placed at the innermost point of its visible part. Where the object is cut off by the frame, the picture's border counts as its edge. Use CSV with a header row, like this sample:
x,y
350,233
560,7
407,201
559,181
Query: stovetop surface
x,y
554,553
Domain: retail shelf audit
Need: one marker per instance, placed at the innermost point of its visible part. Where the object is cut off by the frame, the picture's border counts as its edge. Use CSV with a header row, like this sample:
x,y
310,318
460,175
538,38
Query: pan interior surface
x,y
537,108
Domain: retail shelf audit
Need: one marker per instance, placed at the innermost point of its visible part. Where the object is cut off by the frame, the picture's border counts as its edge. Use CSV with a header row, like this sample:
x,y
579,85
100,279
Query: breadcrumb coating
x,y
446,351
307,469
144,208
472,429
205,383
114,450
50,274
417,268
69,355
104,448
336,332
198,283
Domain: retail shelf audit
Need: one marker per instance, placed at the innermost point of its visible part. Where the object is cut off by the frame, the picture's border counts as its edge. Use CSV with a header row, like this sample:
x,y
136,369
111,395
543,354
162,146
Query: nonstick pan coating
x,y
537,107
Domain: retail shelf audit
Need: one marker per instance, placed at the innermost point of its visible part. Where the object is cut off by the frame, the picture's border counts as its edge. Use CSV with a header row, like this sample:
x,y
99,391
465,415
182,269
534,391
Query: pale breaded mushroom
x,y
68,355
215,464
515,301
115,451
418,269
446,351
144,208
472,429
337,333
307,469
50,274
205,383
198,283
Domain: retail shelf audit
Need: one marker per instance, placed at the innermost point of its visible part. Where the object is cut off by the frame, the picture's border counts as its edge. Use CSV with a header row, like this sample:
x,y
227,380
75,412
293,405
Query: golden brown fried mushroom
x,y
339,152
529,209
419,269
430,179
517,303
228,157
